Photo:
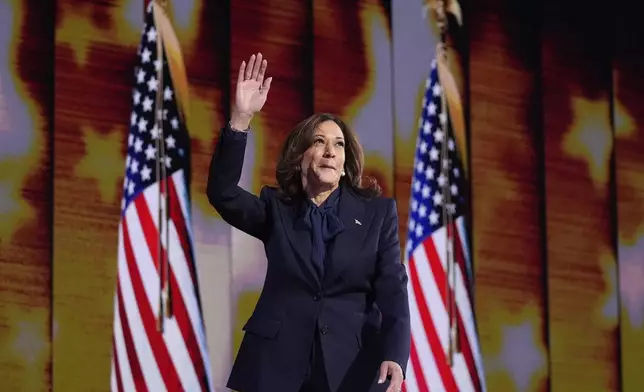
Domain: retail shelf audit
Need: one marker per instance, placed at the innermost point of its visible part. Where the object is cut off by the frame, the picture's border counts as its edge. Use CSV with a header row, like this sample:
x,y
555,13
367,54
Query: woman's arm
x,y
391,292
238,207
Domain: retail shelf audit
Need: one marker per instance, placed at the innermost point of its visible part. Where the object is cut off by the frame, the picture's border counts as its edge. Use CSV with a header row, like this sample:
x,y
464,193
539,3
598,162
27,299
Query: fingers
x,y
254,69
256,66
266,86
240,75
384,368
389,368
262,71
395,385
249,67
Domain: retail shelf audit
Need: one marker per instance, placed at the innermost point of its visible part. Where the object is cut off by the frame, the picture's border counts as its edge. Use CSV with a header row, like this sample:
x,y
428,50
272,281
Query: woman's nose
x,y
329,151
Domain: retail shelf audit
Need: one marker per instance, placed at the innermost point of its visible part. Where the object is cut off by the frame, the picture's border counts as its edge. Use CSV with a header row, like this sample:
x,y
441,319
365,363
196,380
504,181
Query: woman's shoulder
x,y
380,203
269,192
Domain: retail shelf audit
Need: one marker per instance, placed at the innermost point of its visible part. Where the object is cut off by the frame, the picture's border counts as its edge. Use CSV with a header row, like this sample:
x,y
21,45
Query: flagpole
x,y
165,292
448,215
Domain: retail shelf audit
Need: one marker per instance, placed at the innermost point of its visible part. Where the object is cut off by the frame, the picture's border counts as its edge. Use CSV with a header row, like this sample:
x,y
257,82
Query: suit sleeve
x,y
238,207
391,292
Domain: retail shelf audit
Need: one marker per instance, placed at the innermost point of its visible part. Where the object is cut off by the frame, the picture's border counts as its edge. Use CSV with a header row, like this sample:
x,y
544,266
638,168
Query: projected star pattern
x,y
23,136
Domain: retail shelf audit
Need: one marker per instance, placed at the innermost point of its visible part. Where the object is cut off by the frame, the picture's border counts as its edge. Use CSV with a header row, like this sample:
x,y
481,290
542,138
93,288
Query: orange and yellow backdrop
x,y
554,100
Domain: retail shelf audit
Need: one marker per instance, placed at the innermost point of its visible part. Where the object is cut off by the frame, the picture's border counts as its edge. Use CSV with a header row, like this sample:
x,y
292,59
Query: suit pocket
x,y
263,326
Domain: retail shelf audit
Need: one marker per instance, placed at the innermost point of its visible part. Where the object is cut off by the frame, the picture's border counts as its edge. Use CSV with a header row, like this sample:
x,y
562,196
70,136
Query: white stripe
x,y
423,348
440,316
410,383
143,258
185,368
462,299
180,355
144,352
171,334
122,360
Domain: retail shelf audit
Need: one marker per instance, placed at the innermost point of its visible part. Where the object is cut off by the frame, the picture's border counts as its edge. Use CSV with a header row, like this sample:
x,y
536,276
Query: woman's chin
x,y
327,182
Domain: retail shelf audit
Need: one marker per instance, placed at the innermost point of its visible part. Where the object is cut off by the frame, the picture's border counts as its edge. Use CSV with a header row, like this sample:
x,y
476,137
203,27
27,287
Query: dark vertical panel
x,y
628,114
576,63
352,76
504,52
26,107
282,32
94,79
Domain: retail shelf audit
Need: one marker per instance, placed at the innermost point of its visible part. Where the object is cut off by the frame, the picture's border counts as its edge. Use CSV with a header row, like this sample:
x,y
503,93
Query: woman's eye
x,y
318,141
341,144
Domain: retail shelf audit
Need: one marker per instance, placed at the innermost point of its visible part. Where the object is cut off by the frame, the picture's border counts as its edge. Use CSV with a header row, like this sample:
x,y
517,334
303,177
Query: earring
x,y
342,174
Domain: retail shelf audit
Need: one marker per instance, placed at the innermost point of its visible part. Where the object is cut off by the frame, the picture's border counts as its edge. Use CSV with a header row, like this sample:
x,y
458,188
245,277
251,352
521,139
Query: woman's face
x,y
323,163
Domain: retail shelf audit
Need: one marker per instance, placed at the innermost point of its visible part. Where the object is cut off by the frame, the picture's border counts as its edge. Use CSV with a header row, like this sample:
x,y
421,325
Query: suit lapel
x,y
348,243
300,239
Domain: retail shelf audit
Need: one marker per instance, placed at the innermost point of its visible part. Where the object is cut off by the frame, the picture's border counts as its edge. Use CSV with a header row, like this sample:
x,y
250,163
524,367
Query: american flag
x,y
159,341
445,353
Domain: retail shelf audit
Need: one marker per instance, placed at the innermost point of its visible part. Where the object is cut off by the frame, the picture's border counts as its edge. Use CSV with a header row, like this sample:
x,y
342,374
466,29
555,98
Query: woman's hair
x,y
301,138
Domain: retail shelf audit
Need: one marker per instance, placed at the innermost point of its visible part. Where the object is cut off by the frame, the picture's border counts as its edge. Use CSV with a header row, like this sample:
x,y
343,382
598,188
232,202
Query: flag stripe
x,y
430,331
419,377
435,290
115,378
132,358
150,228
135,314
466,317
178,218
121,365
464,307
171,334
148,319
186,308
177,186
435,251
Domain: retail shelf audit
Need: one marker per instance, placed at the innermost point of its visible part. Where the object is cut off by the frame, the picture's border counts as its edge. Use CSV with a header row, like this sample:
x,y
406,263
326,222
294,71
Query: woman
x,y
333,314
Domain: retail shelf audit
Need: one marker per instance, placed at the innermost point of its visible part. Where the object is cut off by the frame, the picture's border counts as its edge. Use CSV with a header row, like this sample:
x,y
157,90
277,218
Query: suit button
x,y
324,330
316,297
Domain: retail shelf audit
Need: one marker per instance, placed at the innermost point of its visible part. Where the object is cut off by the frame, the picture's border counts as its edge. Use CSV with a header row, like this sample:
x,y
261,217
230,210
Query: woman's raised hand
x,y
251,92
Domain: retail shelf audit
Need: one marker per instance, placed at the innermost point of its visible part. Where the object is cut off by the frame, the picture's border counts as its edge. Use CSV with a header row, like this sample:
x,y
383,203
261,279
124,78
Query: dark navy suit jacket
x,y
359,305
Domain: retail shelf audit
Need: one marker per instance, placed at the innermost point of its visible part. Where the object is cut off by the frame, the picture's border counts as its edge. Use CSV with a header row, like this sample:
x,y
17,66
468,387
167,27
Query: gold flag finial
x,y
174,56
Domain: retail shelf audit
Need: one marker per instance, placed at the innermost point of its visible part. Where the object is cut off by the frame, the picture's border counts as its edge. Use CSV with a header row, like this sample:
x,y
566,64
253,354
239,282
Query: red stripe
x,y
463,339
177,217
189,337
176,214
430,330
439,276
117,370
160,350
178,304
421,382
132,357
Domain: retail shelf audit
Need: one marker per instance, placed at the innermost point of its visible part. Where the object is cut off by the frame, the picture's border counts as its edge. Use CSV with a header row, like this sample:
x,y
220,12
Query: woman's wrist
x,y
240,121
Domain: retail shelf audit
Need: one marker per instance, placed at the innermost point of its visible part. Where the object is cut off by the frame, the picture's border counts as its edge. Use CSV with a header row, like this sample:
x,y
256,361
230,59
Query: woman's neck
x,y
319,196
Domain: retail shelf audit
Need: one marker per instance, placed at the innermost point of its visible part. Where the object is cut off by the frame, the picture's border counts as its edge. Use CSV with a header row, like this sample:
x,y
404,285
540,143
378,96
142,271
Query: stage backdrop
x,y
555,110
